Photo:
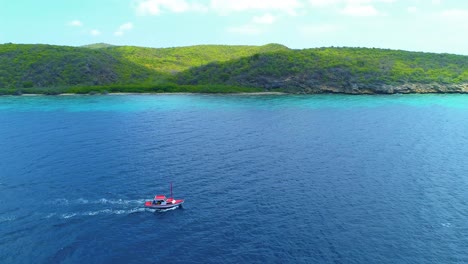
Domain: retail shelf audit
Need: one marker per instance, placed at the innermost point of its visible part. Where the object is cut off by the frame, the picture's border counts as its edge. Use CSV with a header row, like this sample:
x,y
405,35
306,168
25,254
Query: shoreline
x,y
122,93
226,94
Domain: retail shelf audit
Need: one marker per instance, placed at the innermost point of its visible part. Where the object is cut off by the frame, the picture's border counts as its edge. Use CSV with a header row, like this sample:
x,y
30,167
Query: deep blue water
x,y
267,179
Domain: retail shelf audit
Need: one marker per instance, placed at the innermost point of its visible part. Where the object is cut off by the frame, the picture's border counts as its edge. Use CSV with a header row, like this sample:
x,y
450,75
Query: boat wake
x,y
72,208
165,210
7,218
82,207
99,212
63,201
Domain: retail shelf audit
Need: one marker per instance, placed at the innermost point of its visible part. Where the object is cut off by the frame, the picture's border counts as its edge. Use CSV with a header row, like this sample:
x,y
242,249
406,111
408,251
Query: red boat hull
x,y
169,204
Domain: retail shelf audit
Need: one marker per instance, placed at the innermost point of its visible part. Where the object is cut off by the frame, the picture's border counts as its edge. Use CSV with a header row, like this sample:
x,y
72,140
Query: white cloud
x,y
126,26
227,6
412,9
352,7
224,7
95,32
75,23
123,28
360,10
255,27
245,30
436,2
327,3
265,19
318,29
455,14
155,7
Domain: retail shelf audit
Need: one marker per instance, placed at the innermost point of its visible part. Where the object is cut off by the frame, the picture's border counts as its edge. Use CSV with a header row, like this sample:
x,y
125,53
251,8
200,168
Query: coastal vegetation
x,y
103,68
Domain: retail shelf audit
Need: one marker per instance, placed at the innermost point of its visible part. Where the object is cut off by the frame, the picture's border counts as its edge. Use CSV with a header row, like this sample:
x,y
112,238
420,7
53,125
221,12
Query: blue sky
x,y
417,25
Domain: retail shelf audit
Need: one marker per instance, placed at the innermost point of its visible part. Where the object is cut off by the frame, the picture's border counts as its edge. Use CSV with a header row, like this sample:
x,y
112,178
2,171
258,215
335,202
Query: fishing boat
x,y
160,201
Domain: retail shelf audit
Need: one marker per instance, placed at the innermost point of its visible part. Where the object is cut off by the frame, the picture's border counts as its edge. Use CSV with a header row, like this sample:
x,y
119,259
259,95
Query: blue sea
x,y
265,178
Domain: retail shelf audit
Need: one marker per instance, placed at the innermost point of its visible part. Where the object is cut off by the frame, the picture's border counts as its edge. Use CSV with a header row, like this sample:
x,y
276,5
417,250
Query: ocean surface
x,y
266,179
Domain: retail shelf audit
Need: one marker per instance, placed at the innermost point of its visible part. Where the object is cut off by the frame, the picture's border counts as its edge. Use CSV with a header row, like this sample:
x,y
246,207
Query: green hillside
x,y
51,66
220,68
173,60
24,66
97,46
336,68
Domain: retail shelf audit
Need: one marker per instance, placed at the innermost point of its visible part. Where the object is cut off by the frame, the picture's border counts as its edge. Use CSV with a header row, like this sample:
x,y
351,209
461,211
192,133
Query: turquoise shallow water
x,y
266,178
135,103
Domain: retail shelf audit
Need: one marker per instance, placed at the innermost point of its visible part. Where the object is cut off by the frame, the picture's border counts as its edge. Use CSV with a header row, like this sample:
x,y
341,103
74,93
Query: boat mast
x,y
171,191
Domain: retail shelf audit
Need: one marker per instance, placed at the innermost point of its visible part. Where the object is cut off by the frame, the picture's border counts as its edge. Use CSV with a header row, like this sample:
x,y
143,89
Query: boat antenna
x,y
171,191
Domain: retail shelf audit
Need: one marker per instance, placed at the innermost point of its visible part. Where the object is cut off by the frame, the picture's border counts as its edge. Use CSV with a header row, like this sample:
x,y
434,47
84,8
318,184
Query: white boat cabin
x,y
160,199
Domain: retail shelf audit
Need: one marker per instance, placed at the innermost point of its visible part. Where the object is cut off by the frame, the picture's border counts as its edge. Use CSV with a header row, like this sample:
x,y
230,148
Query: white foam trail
x,y
138,209
111,212
63,201
165,210
120,201
92,213
60,201
66,216
114,207
7,218
82,201
50,215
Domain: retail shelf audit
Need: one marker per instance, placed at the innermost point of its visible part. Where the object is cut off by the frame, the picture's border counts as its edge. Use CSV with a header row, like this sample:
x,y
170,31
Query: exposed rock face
x,y
311,86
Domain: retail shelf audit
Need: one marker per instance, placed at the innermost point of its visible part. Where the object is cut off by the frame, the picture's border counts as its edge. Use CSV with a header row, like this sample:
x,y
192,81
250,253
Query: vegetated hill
x,y
51,66
174,60
342,70
220,68
98,46
103,64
